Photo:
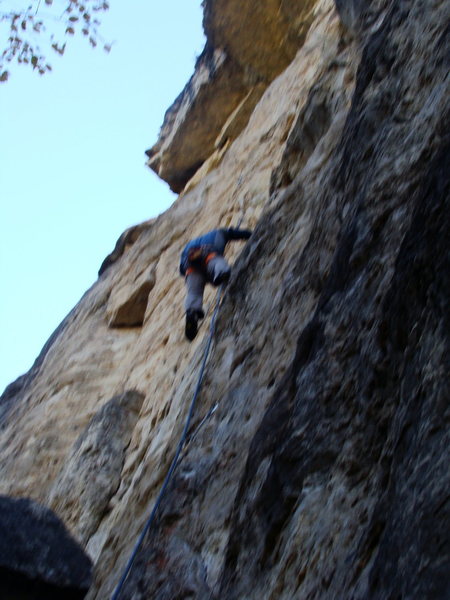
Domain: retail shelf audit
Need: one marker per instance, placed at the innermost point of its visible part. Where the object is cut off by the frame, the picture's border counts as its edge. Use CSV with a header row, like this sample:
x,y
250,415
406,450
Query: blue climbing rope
x,y
175,460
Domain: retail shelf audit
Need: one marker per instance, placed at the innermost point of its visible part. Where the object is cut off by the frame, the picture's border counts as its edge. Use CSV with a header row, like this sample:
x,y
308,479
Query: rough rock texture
x,y
38,558
323,471
230,76
124,243
91,473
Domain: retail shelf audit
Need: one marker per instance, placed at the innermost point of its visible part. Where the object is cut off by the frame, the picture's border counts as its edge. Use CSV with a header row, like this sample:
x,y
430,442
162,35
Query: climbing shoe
x,y
191,325
192,317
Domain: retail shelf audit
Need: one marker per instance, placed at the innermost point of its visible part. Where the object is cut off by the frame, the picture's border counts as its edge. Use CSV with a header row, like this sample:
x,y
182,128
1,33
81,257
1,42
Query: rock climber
x,y
202,262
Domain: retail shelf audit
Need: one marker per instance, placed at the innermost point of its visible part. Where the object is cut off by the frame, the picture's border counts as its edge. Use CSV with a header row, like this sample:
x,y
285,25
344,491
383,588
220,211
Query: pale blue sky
x,y
72,163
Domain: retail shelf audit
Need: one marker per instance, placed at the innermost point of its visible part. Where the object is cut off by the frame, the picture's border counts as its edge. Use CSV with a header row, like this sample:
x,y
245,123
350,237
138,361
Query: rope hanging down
x,y
175,460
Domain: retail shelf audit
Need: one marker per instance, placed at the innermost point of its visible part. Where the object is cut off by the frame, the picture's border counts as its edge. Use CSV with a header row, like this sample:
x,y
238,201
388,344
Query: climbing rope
x,y
175,460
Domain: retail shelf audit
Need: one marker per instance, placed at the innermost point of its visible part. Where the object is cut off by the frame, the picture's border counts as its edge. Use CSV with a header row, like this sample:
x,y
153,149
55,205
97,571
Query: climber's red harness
x,y
198,259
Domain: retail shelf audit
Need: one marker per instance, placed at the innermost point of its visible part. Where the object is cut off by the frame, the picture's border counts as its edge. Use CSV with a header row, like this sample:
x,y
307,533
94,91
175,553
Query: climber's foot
x,y
191,324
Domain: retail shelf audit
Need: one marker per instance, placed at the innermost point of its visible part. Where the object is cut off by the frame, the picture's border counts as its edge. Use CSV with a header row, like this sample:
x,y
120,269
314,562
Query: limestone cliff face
x,y
248,45
323,472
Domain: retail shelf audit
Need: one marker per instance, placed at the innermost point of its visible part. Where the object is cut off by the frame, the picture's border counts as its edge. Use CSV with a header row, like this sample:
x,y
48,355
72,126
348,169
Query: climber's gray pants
x,y
195,282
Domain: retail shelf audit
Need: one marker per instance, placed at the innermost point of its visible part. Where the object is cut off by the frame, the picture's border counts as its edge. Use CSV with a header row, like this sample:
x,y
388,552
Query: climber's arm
x,y
237,234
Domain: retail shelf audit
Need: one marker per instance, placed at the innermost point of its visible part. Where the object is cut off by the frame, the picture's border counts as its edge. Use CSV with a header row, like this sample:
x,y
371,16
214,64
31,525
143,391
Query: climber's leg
x,y
195,285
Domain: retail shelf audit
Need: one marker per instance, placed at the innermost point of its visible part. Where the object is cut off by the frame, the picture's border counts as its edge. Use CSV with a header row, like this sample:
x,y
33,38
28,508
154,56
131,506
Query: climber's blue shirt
x,y
213,241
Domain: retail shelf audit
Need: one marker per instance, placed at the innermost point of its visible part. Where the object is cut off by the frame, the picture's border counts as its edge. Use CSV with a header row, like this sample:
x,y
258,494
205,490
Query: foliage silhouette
x,y
49,23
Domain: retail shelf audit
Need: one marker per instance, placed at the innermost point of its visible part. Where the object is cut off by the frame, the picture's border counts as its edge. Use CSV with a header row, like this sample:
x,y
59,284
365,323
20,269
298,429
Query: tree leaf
x,y
23,48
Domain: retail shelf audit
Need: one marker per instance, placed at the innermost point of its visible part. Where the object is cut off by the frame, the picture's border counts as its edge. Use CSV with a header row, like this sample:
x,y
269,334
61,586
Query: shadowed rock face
x,y
38,558
367,442
322,473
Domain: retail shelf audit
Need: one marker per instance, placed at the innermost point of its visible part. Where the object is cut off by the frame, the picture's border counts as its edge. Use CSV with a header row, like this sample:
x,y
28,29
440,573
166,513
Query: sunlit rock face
x,y
91,473
248,45
323,471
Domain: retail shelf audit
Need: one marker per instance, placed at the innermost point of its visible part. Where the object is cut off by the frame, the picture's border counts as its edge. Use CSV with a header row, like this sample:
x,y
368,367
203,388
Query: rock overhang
x,y
230,77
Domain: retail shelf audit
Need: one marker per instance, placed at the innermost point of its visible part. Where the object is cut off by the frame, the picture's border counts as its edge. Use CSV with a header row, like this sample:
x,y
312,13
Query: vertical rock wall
x,y
322,472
